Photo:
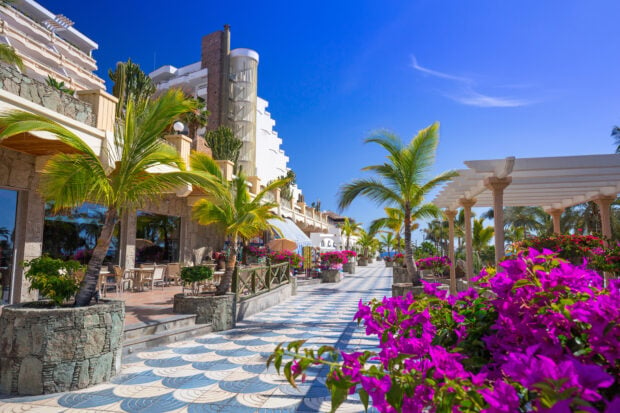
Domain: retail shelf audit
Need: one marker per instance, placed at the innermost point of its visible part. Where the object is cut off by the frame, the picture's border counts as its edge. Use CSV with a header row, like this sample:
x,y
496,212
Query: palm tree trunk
x,y
231,262
412,269
89,285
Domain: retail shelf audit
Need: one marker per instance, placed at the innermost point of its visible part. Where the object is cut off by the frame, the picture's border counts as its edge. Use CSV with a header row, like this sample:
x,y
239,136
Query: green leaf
x,y
339,395
364,398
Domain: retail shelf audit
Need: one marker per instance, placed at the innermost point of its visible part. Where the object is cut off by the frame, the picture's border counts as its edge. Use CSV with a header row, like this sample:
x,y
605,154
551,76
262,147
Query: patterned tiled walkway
x,y
226,372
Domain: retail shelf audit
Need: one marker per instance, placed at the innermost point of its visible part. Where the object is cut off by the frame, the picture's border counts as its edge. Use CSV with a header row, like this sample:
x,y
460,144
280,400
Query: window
x,y
73,235
157,238
8,212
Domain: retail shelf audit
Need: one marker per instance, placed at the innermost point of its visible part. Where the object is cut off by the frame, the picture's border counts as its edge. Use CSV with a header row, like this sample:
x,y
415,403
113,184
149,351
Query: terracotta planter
x,y
218,310
330,276
50,350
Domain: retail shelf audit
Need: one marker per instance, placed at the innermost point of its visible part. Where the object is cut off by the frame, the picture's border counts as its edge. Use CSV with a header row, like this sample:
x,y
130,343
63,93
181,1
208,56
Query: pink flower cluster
x,y
542,334
283,256
349,253
258,251
436,264
333,259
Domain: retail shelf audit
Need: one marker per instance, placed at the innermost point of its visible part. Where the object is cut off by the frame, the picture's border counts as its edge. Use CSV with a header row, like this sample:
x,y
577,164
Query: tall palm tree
x,y
530,218
69,180
388,241
230,207
400,181
350,228
615,133
196,119
366,241
10,56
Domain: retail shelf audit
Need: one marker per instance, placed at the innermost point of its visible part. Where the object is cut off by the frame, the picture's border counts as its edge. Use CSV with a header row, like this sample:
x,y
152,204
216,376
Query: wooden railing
x,y
248,282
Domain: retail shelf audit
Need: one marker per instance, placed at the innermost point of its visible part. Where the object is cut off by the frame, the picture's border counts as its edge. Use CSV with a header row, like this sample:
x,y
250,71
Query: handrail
x,y
249,282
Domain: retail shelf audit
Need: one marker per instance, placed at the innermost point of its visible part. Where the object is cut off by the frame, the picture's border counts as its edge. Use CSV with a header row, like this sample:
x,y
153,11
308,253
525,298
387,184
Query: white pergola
x,y
553,183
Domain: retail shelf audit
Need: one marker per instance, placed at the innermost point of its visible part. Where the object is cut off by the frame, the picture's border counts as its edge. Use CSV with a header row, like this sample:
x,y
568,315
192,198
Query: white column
x,y
469,250
604,205
497,185
556,214
451,214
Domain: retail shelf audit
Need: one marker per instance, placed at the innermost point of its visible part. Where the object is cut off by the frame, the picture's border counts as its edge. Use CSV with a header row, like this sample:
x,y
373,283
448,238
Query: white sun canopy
x,y
552,182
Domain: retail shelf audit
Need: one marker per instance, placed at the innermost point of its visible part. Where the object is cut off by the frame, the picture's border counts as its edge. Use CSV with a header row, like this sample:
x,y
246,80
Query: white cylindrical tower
x,y
242,105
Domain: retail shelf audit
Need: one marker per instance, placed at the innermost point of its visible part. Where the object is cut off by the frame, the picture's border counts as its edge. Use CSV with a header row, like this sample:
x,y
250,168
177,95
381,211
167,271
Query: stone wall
x,y
37,92
219,311
53,350
400,275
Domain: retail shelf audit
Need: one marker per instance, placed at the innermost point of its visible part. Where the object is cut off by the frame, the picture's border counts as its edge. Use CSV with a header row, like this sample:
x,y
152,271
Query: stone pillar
x,y
451,214
469,250
227,168
127,240
604,205
182,144
29,229
556,214
497,186
255,182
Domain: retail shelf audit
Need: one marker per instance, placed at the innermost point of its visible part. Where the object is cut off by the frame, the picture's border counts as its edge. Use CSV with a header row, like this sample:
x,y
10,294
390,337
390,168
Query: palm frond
x,y
371,188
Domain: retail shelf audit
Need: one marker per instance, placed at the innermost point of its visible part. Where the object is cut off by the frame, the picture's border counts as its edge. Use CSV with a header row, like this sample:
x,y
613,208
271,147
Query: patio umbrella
x,y
142,242
282,244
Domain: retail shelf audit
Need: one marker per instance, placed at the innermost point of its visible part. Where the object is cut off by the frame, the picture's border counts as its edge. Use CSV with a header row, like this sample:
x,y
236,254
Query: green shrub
x,y
193,275
53,278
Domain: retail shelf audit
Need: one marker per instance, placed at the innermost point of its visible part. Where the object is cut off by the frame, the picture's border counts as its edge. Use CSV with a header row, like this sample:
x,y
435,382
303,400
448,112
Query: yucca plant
x,y
223,143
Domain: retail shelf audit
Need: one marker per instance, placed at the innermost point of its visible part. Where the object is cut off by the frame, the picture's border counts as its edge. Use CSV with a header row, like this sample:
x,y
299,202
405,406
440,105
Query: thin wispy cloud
x,y
467,95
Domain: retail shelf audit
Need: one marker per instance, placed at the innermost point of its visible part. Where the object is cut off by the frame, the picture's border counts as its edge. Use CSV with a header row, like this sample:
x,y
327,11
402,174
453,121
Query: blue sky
x,y
505,78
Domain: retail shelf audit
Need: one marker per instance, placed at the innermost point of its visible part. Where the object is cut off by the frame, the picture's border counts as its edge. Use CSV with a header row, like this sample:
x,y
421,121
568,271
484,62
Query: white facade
x,y
192,79
49,45
271,162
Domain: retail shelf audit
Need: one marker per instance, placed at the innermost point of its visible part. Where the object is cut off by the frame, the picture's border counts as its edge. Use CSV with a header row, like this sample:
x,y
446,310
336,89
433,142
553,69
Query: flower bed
x,y
436,264
294,259
540,334
333,260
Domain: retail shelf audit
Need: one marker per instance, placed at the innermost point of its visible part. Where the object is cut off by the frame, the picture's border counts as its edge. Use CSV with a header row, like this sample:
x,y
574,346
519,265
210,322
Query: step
x,y
150,327
164,337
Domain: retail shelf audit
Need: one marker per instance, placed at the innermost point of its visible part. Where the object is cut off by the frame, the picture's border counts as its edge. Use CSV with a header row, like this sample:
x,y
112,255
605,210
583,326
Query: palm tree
x,y
72,179
481,237
350,228
230,207
615,133
530,218
366,241
400,181
388,241
196,119
10,56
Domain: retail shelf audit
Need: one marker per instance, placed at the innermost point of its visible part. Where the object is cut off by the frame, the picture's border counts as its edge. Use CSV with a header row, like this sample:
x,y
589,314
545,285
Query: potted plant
x,y
349,266
208,308
389,261
436,265
331,264
48,346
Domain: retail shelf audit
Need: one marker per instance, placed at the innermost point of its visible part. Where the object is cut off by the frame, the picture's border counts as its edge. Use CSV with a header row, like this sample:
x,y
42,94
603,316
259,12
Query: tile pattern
x,y
226,371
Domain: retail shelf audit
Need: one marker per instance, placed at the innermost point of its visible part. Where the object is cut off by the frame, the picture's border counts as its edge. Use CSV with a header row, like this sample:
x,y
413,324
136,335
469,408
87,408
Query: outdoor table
x,y
138,274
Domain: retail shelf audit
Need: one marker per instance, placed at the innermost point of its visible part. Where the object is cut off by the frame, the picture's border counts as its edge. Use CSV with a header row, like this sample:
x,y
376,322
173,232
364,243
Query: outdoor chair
x,y
157,276
173,273
117,279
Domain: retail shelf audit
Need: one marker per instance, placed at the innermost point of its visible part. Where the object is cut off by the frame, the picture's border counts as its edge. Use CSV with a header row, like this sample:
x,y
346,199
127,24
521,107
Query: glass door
x,y
8,212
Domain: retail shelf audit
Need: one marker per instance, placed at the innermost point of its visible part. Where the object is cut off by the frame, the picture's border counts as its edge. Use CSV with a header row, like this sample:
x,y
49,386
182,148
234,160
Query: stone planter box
x,y
400,275
362,262
349,267
403,289
389,264
330,276
217,310
51,350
